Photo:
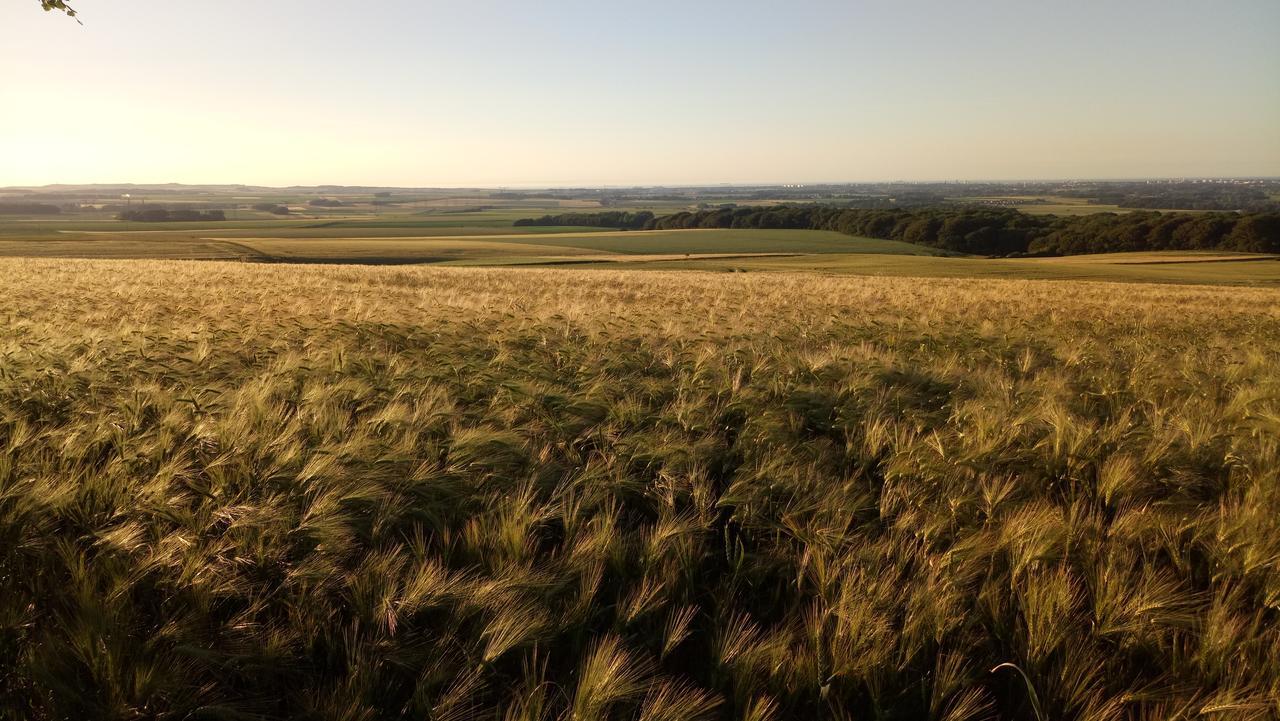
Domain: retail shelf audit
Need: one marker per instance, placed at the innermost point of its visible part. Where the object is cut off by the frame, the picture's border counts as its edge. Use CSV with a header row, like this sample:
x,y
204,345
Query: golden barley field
x,y
236,491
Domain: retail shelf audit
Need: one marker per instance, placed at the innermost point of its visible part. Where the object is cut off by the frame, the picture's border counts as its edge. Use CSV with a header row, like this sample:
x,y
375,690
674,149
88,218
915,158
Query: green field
x,y
413,240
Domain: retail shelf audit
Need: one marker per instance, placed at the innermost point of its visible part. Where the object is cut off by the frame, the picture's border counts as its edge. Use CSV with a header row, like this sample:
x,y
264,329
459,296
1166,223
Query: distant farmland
x,y
720,250
471,229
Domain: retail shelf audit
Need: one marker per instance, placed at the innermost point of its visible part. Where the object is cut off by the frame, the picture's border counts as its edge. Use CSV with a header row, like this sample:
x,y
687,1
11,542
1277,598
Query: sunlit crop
x,y
237,492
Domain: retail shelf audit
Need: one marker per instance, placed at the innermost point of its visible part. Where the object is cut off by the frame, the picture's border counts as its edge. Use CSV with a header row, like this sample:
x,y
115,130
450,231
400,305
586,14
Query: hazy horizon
x,y
574,94
612,186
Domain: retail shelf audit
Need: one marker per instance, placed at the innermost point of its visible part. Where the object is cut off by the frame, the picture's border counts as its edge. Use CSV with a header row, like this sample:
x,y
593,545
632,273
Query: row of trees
x,y
1105,233
164,215
1246,200
611,219
982,231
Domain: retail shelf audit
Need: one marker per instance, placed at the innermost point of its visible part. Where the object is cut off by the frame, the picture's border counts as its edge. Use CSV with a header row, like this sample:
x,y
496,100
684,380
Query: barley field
x,y
241,491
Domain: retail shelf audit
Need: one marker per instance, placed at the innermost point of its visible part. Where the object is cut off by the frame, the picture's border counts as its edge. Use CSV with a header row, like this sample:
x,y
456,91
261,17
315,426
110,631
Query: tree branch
x,y
59,5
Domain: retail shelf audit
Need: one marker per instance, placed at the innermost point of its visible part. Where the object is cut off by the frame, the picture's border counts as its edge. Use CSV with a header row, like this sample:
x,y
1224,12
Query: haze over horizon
x,y
570,93
622,186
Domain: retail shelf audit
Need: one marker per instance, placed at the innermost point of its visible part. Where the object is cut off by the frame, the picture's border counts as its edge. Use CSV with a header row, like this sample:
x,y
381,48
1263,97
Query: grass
x,y
242,491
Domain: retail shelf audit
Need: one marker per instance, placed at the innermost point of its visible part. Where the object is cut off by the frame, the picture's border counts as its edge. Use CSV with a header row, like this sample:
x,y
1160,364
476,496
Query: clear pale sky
x,y
560,92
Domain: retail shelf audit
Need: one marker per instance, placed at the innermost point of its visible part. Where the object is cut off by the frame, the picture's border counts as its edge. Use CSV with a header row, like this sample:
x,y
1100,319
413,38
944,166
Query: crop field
x,y
251,491
399,244
685,242
486,238
712,250
469,229
1169,267
348,226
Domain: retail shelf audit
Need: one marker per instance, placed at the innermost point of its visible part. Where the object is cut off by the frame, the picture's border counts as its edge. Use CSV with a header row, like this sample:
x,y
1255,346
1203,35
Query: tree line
x,y
977,231
164,215
610,219
1251,201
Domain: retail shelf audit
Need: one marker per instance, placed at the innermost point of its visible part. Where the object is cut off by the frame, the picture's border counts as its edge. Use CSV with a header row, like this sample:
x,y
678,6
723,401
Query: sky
x,y
600,92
